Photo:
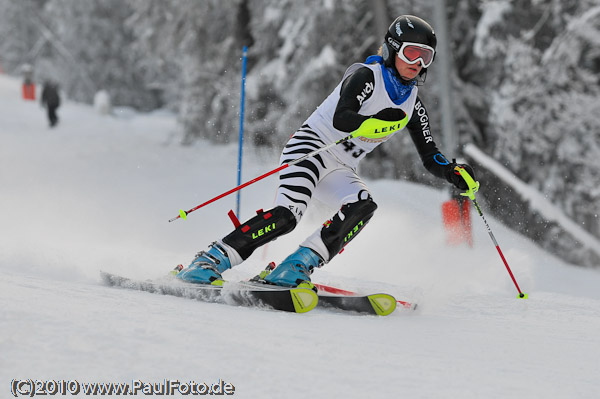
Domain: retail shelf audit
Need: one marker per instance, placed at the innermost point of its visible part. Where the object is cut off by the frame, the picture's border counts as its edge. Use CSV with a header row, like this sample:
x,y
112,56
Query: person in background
x,y
379,95
51,101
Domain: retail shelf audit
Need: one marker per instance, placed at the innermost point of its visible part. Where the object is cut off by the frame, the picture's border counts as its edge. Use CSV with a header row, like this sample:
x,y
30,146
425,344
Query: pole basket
x,y
456,215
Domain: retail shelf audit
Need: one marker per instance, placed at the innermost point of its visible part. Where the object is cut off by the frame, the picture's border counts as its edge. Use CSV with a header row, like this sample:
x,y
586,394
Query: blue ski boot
x,y
295,269
207,267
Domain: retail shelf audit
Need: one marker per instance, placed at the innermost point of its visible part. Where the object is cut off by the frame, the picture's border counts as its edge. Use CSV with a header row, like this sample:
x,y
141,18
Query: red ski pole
x,y
371,128
473,188
183,214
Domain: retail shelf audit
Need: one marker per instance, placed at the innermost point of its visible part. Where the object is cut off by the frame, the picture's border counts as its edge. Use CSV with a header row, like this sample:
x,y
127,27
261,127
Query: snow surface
x,y
95,194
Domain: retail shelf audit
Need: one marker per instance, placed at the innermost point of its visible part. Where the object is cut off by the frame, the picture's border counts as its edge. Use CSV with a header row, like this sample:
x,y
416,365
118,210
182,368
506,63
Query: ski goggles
x,y
411,53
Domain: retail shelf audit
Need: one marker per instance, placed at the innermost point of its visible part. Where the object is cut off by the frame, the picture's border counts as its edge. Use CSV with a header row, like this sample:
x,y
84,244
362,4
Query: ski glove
x,y
455,178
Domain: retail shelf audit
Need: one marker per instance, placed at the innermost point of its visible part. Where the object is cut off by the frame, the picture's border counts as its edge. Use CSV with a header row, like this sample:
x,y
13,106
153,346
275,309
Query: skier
x,y
382,92
51,100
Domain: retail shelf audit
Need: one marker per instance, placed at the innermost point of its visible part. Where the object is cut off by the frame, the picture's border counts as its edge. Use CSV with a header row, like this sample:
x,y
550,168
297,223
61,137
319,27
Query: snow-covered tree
x,y
543,109
196,60
89,49
20,40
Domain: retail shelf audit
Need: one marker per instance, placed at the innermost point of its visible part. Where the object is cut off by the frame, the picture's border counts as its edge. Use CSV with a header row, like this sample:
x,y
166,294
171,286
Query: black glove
x,y
455,178
390,114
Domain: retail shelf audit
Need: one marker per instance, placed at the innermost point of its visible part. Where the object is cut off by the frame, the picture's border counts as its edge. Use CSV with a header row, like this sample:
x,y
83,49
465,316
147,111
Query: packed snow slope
x,y
96,193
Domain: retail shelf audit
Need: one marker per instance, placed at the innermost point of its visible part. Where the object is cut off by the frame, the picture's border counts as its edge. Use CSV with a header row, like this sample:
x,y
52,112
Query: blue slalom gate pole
x,y
241,139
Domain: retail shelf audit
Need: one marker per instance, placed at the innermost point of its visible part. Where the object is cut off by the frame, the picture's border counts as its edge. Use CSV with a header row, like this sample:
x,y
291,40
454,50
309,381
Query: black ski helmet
x,y
406,28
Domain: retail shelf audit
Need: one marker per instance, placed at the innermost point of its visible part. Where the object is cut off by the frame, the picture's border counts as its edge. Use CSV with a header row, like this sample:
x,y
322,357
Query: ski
x,y
377,299
340,299
256,294
298,300
375,304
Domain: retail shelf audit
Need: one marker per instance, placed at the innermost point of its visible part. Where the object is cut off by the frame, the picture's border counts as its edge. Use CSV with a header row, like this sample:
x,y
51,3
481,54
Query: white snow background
x,y
96,193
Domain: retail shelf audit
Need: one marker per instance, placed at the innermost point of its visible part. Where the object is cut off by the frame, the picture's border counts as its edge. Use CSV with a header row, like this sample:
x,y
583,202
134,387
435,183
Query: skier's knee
x,y
261,229
346,224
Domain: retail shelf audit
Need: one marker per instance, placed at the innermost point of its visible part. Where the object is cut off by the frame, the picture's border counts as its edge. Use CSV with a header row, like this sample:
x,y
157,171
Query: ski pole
x,y
473,188
183,214
371,128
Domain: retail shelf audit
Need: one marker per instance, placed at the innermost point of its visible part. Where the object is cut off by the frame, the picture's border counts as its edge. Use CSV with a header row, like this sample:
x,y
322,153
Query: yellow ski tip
x,y
304,299
383,304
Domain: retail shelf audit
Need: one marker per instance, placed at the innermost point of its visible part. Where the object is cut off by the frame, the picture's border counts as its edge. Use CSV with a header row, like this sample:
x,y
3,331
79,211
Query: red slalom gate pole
x,y
183,214
473,187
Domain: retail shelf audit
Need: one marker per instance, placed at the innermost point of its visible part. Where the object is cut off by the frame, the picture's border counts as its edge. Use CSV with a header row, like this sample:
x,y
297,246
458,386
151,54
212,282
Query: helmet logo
x,y
398,29
393,43
408,21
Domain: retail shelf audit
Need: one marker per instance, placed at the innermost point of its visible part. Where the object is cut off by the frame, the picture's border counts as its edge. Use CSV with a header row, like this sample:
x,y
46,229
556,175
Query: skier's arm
x,y
433,160
355,90
420,132
346,117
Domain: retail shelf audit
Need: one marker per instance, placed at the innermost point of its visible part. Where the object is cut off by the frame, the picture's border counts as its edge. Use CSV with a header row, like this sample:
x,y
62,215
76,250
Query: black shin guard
x,y
346,224
261,229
